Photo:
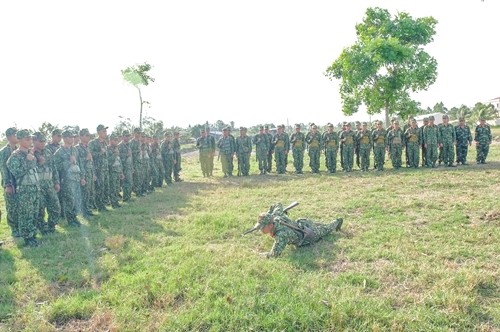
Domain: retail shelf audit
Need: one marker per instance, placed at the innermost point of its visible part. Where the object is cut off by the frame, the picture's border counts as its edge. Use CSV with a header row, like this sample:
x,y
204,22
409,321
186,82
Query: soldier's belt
x,y
380,140
364,140
413,138
349,140
314,144
332,143
396,140
44,176
280,144
298,144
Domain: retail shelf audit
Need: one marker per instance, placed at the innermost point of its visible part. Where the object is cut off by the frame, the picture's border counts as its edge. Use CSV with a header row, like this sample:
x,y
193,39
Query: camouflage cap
x,y
396,122
426,119
263,220
461,119
314,126
266,127
431,118
56,132
39,136
357,123
330,125
84,132
445,116
242,128
364,124
261,127
113,136
101,127
297,126
125,133
23,133
66,134
482,118
137,130
10,131
226,129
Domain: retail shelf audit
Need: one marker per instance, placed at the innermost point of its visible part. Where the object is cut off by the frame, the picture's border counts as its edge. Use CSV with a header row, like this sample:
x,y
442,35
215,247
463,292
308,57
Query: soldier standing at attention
x,y
178,162
281,144
341,147
356,147
227,148
22,166
348,140
87,163
56,141
313,139
483,140
364,140
464,139
48,180
297,141
330,141
135,147
379,144
413,142
206,147
98,147
69,167
8,181
424,150
447,142
431,139
262,143
395,144
127,164
405,128
271,149
115,170
243,151
167,155
156,163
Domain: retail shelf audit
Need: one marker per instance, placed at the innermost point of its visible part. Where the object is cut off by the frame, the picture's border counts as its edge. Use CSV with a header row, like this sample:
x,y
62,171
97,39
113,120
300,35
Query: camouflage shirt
x,y
463,135
7,177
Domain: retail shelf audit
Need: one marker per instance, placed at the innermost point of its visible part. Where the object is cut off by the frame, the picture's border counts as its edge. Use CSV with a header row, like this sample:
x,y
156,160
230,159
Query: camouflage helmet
x,y
264,219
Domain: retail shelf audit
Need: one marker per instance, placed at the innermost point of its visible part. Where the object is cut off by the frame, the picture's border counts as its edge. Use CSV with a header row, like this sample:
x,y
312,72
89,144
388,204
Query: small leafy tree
x,y
480,110
138,76
385,64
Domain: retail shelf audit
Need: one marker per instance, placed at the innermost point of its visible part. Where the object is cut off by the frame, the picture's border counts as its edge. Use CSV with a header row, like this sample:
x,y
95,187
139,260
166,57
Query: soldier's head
x,y
261,130
68,138
330,127
242,131
225,132
84,135
348,126
167,136
482,121
395,124
379,125
137,133
177,134
297,128
431,120
413,123
266,129
126,136
364,125
426,121
56,136
281,128
446,119
461,121
314,128
102,132
76,138
358,125
24,138
113,139
11,135
39,141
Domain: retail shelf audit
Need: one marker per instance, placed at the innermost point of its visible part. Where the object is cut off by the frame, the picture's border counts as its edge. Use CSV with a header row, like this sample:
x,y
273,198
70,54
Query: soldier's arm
x,y
55,172
6,180
19,165
279,245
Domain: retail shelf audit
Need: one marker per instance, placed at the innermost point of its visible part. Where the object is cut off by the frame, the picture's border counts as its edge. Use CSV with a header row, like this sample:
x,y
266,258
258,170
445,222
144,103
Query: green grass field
x,y
419,251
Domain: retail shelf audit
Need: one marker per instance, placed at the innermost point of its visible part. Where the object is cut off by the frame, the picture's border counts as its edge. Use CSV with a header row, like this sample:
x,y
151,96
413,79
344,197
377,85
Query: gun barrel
x,y
291,206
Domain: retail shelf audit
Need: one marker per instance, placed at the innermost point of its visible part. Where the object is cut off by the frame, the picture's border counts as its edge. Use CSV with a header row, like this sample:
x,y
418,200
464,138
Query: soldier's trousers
x,y
358,159
424,155
482,150
348,157
168,166
136,176
364,156
48,200
243,164
431,154
462,150
331,160
448,156
68,194
314,155
396,151
227,163
412,150
114,188
102,189
279,155
10,207
205,162
27,210
210,164
379,156
88,193
262,160
298,159
128,182
269,161
320,230
177,166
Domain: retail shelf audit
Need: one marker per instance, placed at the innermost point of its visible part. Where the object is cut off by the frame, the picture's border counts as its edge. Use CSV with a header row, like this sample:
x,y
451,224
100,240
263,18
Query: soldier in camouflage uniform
x,y
158,171
115,170
405,128
341,147
168,157
227,148
135,146
69,167
22,166
395,139
281,143
364,143
98,147
483,140
447,141
464,139
297,142
431,139
413,142
348,141
330,140
56,141
8,181
243,152
206,145
356,147
262,143
178,159
87,163
146,157
127,164
424,150
313,139
48,180
285,231
379,146
271,149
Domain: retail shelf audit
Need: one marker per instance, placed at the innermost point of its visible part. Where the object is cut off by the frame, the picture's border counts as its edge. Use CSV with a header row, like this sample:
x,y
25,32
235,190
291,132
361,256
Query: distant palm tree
x,y
460,112
486,111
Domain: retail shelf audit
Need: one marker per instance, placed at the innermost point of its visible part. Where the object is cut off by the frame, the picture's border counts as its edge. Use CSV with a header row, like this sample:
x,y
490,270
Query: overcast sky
x,y
245,61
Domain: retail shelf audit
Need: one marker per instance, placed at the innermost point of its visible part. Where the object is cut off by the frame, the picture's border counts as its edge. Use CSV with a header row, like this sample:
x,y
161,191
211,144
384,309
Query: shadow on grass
x,y
7,302
321,255
70,260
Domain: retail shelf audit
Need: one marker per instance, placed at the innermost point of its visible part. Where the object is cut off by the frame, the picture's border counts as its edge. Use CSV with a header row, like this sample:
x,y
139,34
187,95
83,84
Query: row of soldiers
x,y
80,175
437,143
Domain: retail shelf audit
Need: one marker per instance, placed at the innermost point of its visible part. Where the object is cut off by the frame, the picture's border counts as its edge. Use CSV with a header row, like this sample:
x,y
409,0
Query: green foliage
x,y
385,64
138,75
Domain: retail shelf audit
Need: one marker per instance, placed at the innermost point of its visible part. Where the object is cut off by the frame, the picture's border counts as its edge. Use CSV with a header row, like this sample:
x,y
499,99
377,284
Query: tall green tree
x,y
386,63
480,110
138,76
